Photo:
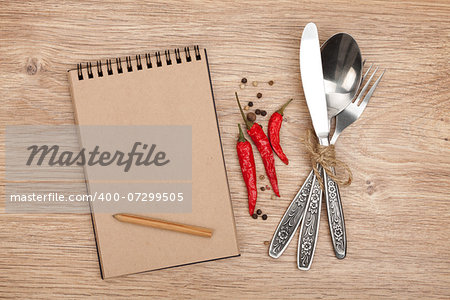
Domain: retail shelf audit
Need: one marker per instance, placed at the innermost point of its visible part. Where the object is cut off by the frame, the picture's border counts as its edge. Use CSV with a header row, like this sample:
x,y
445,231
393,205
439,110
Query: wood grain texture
x,y
397,210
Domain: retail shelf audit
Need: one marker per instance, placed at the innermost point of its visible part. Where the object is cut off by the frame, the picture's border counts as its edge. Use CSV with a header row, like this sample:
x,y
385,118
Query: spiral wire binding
x,y
188,54
129,66
89,70
138,62
148,61
109,67
168,60
99,68
158,59
139,66
79,71
197,53
119,65
177,55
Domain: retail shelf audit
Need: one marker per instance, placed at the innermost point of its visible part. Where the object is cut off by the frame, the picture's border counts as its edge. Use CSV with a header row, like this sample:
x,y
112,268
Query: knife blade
x,y
312,81
314,90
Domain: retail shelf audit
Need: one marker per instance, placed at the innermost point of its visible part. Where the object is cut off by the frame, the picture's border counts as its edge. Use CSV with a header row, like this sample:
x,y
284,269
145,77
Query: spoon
x,y
342,72
342,68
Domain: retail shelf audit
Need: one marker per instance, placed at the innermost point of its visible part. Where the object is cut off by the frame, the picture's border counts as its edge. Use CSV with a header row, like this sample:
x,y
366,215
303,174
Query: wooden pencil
x,y
166,225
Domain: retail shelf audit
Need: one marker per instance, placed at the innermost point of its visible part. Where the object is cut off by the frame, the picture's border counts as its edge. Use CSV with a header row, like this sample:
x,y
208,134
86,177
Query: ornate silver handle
x,y
310,226
291,219
335,217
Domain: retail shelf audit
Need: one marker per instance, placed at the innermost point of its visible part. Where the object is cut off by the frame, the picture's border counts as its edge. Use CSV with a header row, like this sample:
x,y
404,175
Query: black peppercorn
x,y
250,104
244,80
259,95
258,111
263,188
263,113
259,212
255,216
251,117
264,217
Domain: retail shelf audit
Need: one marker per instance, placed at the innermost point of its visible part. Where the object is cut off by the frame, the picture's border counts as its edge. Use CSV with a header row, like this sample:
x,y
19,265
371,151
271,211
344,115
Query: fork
x,y
354,110
296,210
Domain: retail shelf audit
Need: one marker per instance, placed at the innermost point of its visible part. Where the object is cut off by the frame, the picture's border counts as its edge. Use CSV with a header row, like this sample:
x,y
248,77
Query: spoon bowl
x,y
342,70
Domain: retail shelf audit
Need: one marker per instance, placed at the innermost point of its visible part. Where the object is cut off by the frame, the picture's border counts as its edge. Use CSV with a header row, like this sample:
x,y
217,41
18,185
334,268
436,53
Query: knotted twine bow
x,y
326,157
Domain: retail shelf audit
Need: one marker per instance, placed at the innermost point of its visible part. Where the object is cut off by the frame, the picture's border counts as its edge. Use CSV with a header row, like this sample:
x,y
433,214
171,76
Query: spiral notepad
x,y
165,88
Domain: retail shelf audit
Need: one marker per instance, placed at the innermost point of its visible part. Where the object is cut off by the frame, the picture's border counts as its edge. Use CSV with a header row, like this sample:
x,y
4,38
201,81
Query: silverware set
x,y
331,77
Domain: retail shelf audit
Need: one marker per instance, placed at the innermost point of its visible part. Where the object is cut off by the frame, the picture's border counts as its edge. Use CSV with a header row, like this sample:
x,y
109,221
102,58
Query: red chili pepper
x,y
247,162
274,132
261,141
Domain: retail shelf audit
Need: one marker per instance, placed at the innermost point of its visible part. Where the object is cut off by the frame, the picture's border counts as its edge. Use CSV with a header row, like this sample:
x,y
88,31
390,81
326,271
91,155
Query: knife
x,y
314,90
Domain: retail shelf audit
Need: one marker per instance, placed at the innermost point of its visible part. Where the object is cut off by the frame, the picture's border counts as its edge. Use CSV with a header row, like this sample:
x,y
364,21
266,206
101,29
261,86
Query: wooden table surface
x,y
397,210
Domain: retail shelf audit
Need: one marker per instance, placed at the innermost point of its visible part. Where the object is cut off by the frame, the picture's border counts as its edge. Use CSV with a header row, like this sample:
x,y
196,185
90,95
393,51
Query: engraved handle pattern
x,y
335,217
310,227
291,219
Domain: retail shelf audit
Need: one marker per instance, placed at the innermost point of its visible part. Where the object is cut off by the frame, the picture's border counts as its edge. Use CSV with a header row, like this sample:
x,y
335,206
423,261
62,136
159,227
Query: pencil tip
x,y
115,216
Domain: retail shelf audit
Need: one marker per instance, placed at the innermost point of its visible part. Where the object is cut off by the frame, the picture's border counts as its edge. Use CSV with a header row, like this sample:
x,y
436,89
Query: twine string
x,y
325,157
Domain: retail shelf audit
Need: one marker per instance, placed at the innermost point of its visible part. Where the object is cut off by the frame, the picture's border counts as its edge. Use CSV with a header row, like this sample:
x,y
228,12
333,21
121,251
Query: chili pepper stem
x,y
241,135
248,123
281,110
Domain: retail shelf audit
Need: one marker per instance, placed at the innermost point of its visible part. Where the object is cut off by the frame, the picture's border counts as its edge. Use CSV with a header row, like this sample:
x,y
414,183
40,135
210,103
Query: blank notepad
x,y
167,89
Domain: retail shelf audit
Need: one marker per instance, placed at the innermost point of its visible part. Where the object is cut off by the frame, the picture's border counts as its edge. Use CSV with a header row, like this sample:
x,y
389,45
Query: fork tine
x,y
365,74
371,91
362,80
364,89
